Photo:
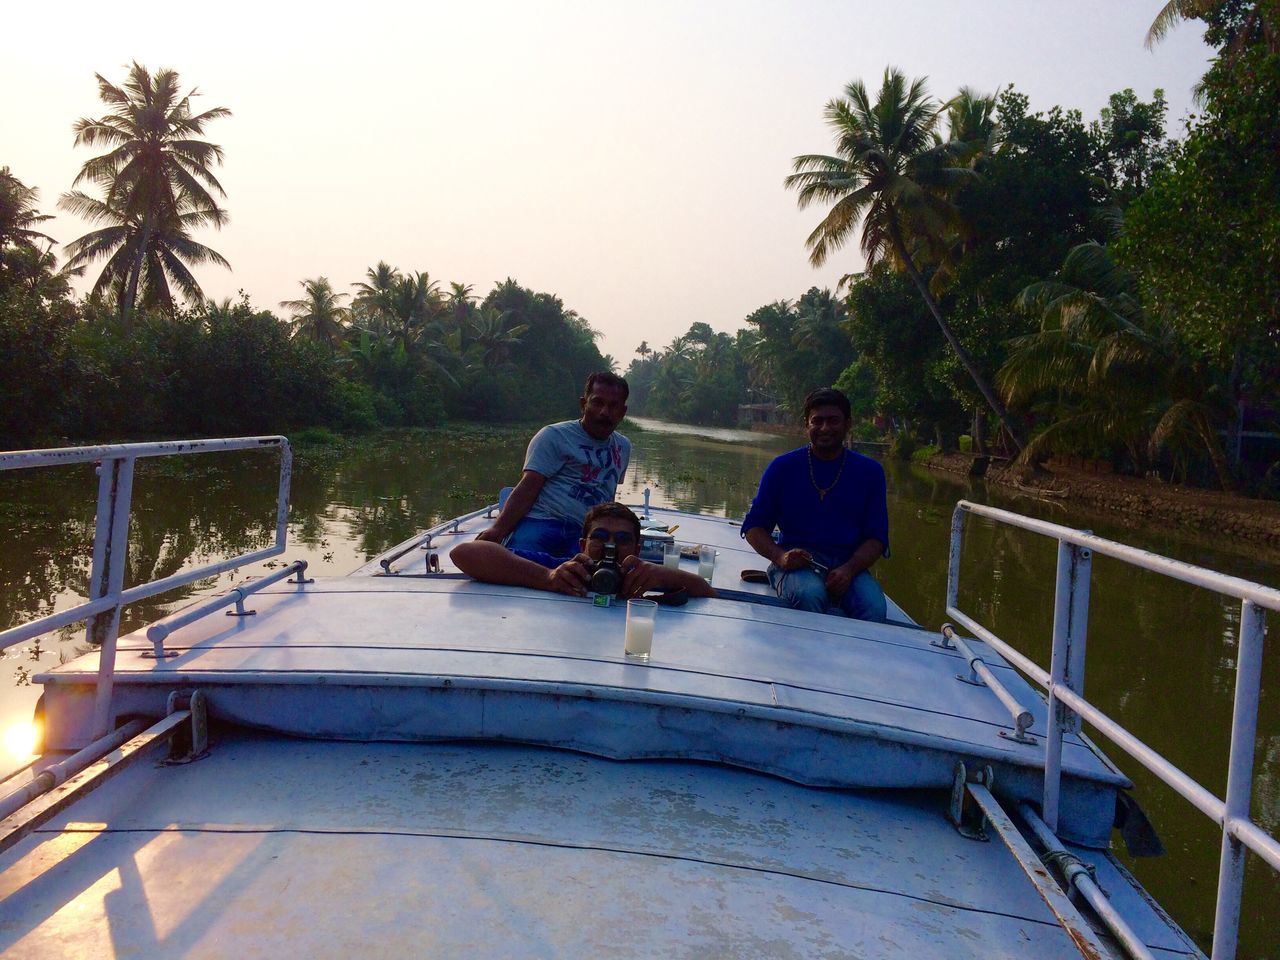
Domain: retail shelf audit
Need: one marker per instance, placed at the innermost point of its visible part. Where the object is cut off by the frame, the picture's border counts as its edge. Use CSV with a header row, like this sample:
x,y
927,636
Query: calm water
x,y
1161,656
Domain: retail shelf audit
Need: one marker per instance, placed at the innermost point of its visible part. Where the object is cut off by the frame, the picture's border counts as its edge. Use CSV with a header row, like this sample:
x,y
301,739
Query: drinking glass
x,y
706,562
640,617
671,555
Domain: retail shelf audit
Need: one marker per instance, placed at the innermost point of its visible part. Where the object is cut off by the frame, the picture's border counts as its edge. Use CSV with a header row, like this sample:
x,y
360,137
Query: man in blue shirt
x,y
830,505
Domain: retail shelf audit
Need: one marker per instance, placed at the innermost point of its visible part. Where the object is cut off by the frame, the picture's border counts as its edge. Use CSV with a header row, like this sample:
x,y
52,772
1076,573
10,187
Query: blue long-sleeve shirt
x,y
853,511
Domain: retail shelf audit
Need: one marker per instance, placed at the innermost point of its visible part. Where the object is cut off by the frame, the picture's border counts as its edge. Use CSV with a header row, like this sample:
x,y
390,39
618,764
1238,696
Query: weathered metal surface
x,y
46,806
285,848
1082,935
822,700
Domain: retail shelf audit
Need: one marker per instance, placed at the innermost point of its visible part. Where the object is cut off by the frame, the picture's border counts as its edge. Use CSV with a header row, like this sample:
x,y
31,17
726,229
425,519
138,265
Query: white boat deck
x,y
285,848
418,764
820,700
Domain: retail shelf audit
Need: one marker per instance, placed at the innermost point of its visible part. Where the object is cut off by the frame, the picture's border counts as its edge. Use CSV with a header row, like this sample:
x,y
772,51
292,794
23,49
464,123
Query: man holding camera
x,y
606,525
830,505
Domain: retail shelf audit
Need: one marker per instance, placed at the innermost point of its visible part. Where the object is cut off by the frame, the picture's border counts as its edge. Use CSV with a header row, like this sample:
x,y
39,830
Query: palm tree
x,y
319,315
892,174
1107,373
1263,20
494,335
414,305
142,262
644,349
372,302
18,213
158,188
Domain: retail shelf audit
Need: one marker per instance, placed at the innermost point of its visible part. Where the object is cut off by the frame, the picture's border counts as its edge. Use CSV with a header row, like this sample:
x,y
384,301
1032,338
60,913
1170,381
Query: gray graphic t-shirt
x,y
581,471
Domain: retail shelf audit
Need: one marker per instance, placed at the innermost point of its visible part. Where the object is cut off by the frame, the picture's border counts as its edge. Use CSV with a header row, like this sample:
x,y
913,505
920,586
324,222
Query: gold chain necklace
x,y
823,491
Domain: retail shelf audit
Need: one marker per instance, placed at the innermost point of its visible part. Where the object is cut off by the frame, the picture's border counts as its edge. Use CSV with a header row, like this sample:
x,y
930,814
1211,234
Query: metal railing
x,y
1067,707
423,540
107,594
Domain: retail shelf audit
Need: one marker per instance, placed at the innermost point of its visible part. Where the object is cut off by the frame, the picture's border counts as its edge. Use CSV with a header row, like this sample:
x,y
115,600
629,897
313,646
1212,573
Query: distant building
x,y
766,414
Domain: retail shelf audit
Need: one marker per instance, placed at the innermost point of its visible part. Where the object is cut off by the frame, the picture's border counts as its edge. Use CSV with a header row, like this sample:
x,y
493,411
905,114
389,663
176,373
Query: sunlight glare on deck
x,y
20,740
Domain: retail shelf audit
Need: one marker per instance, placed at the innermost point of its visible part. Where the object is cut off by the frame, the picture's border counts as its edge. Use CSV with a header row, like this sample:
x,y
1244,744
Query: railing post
x,y
282,494
1244,730
110,558
953,558
1070,627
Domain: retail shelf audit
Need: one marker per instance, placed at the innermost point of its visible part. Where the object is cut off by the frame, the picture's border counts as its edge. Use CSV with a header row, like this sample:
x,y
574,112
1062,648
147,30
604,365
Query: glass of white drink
x,y
671,555
640,617
706,562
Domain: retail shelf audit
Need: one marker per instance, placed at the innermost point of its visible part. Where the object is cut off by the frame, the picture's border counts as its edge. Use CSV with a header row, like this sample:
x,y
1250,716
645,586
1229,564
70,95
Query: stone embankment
x,y
1225,516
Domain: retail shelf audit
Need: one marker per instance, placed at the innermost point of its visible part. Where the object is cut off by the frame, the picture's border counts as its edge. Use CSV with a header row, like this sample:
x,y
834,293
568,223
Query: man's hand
x,y
492,535
795,559
638,577
838,580
571,577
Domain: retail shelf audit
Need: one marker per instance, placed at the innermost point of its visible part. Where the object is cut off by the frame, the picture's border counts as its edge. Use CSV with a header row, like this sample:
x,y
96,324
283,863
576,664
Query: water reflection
x,y
1161,654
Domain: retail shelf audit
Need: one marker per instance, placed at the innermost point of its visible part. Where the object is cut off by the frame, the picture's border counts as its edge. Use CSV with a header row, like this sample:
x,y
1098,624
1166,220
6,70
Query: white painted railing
x,y
107,594
1064,682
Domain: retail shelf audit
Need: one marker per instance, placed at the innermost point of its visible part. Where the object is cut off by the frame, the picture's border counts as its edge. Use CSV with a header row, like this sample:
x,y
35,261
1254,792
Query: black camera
x,y
606,575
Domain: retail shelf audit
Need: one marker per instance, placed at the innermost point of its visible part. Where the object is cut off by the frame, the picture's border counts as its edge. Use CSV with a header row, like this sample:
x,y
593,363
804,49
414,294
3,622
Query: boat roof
x,y
427,764
274,847
820,700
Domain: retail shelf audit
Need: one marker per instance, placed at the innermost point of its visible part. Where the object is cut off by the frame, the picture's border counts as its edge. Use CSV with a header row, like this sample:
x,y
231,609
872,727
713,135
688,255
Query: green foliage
x,y
1105,376
701,377
901,446
36,371
896,338
1205,238
355,406
313,437
925,454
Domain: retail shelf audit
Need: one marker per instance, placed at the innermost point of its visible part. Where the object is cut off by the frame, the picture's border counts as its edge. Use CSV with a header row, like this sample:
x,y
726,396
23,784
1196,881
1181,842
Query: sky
x,y
627,157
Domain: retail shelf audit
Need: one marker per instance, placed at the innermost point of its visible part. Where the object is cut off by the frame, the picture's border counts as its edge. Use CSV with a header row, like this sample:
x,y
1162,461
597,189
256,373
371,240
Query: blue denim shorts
x,y
559,538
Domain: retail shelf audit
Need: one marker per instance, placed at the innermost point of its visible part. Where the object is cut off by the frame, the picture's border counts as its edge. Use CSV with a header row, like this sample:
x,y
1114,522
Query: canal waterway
x,y
1161,655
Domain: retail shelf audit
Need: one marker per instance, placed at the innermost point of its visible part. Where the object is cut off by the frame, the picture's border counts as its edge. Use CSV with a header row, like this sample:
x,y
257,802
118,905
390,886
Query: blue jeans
x,y
805,589
559,538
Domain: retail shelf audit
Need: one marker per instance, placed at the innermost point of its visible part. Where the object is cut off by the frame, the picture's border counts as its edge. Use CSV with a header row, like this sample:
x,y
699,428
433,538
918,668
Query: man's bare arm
x,y
519,503
640,577
494,563
761,541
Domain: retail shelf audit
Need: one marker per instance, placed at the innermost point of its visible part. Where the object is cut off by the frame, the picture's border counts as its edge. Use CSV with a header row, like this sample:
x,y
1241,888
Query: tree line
x,y
146,353
1089,289
1033,281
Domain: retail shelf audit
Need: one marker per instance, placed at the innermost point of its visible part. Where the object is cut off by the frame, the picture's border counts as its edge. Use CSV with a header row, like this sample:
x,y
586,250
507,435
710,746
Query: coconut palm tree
x,y
18,213
319,315
372,302
414,305
1107,373
143,260
493,335
158,187
891,173
1262,21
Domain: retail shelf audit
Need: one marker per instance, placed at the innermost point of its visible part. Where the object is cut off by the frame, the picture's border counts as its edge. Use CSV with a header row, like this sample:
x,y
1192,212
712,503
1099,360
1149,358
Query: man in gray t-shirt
x,y
568,468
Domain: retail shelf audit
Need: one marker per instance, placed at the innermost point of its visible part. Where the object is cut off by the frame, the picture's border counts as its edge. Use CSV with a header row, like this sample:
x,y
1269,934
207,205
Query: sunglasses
x,y
620,537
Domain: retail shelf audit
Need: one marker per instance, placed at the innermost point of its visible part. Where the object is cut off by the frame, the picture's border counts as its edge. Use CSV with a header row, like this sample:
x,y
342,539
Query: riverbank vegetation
x,y
146,353
1035,285
1096,290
